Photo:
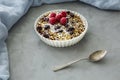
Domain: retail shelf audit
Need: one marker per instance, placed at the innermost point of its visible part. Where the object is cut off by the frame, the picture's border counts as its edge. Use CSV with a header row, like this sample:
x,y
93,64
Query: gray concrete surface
x,y
31,59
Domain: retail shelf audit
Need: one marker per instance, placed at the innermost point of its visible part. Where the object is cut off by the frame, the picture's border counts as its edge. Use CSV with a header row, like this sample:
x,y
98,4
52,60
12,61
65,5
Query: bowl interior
x,y
81,16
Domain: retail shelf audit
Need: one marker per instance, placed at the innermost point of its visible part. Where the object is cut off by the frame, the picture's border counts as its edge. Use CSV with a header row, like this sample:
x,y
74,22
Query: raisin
x,y
46,19
47,27
39,28
57,27
71,29
46,35
68,12
71,14
60,31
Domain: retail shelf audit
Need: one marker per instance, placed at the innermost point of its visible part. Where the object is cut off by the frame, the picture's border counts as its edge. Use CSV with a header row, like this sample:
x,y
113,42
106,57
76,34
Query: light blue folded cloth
x,y
12,10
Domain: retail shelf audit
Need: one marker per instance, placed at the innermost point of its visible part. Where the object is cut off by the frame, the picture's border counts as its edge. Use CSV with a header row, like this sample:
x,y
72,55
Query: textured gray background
x,y
31,59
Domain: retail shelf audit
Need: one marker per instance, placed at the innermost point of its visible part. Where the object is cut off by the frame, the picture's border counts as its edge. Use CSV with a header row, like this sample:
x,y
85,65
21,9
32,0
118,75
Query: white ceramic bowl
x,y
63,43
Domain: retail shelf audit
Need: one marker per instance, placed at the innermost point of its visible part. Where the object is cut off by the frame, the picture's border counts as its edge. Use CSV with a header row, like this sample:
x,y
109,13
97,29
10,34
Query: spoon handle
x,y
56,68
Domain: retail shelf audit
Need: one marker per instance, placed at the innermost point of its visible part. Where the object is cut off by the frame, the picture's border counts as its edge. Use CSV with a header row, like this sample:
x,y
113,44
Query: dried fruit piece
x,y
71,14
71,29
39,28
68,12
46,35
60,31
57,27
47,27
46,19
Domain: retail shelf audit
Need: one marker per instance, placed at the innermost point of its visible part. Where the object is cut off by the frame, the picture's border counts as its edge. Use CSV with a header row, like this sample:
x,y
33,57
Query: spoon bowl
x,y
97,55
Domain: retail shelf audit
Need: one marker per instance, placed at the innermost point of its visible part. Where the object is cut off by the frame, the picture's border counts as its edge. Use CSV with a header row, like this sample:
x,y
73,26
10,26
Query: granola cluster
x,y
59,25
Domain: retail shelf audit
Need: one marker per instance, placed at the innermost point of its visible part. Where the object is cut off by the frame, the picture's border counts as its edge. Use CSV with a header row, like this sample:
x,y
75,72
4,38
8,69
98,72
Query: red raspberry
x,y
52,14
52,20
58,17
63,20
63,13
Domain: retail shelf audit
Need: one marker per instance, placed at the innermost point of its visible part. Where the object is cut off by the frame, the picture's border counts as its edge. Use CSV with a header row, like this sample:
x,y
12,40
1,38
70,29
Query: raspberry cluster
x,y
61,17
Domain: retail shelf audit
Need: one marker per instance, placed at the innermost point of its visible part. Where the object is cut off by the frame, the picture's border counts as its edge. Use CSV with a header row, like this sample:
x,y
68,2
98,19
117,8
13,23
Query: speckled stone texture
x,y
31,59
